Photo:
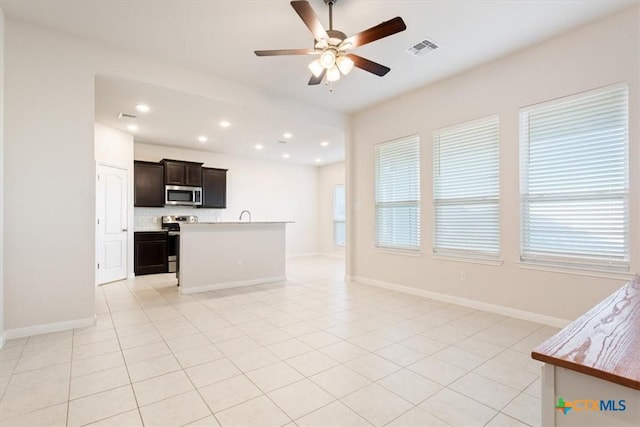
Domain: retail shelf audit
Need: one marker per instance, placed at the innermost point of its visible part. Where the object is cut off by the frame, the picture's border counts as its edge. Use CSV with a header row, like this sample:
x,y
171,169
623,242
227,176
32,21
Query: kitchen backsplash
x,y
149,219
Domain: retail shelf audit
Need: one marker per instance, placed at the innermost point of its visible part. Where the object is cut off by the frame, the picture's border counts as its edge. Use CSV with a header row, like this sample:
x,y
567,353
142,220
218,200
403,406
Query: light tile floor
x,y
314,351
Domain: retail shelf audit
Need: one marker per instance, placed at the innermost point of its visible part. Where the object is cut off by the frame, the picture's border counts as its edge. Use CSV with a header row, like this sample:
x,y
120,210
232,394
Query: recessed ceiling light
x,y
143,108
324,143
287,135
318,160
132,127
286,156
258,146
202,138
225,124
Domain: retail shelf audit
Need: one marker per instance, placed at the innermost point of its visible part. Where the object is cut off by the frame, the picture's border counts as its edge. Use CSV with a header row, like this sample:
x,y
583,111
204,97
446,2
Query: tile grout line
x,y
243,373
182,368
268,303
14,368
70,379
113,388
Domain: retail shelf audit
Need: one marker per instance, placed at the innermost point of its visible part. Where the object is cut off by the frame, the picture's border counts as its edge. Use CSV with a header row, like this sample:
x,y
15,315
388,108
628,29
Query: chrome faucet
x,y
242,213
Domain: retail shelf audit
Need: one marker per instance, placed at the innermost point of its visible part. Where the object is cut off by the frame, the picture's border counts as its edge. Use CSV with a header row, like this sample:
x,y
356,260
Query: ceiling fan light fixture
x,y
333,74
316,68
345,64
328,58
331,44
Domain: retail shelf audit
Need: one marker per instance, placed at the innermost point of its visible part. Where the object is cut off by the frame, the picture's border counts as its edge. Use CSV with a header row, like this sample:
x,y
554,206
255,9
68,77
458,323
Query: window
x,y
466,189
339,215
397,194
574,181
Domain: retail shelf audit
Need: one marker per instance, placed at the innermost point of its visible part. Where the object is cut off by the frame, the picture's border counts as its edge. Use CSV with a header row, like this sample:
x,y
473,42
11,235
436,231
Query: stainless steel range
x,y
171,223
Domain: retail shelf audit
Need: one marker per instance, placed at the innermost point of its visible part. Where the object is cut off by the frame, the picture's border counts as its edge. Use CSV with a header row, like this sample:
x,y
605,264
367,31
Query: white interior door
x,y
111,209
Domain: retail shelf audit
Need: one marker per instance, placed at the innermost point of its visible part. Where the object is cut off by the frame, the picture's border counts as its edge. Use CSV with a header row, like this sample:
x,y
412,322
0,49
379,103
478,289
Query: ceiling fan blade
x,y
305,11
317,80
378,32
279,52
368,65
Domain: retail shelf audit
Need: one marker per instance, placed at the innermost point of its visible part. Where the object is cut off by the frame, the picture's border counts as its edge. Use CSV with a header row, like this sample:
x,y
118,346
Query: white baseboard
x,y
310,254
332,255
48,328
227,285
478,305
303,254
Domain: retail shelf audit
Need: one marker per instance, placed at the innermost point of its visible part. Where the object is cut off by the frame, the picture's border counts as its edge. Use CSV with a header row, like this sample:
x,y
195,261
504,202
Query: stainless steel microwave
x,y
182,196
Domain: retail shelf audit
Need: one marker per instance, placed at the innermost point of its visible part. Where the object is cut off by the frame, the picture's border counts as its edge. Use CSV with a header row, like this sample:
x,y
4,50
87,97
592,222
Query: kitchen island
x,y
220,255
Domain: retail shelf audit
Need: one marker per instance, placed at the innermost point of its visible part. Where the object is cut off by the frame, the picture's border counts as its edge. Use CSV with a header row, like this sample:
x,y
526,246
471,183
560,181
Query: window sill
x,y
472,260
552,268
404,252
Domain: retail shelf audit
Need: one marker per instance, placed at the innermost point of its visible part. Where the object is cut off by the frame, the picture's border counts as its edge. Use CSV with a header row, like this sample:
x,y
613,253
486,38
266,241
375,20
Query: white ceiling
x,y
219,37
178,119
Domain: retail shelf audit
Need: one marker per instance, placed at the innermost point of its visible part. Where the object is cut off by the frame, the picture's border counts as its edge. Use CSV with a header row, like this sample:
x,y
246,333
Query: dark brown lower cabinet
x,y
150,252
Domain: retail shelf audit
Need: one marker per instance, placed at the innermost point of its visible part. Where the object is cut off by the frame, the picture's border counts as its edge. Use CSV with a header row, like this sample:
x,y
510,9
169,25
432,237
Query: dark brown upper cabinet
x,y
214,188
177,172
148,180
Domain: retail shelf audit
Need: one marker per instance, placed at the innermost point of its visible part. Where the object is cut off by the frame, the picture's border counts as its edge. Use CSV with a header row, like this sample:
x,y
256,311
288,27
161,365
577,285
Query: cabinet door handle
x,y
125,229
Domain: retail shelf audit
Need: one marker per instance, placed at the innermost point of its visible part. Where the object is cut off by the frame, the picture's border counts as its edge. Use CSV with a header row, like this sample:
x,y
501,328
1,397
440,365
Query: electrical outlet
x,y
463,276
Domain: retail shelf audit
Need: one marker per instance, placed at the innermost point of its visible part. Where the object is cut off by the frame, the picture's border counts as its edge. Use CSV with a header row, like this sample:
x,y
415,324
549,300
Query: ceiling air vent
x,y
126,116
423,47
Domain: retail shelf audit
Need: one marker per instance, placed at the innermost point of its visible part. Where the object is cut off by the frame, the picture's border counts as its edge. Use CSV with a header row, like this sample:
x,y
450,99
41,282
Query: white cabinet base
x,y
588,396
225,255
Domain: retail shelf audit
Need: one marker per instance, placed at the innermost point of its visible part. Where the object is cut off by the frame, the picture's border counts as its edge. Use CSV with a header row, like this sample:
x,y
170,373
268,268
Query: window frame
x,y
401,249
568,262
460,253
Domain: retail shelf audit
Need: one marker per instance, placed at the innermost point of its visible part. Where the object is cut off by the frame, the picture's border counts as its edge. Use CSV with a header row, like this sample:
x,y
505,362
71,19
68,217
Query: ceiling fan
x,y
333,46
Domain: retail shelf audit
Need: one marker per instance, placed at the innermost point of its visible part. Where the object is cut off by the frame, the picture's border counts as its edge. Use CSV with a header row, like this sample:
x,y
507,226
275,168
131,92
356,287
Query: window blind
x,y
339,215
574,181
466,189
397,194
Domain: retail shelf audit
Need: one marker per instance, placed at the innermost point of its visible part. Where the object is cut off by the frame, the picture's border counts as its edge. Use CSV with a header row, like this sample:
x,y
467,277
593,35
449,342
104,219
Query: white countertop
x,y
235,222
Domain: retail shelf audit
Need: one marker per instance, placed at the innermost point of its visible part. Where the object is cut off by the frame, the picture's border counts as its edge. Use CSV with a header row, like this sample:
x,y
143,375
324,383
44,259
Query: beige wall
x,y
1,175
603,53
49,275
328,177
49,156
